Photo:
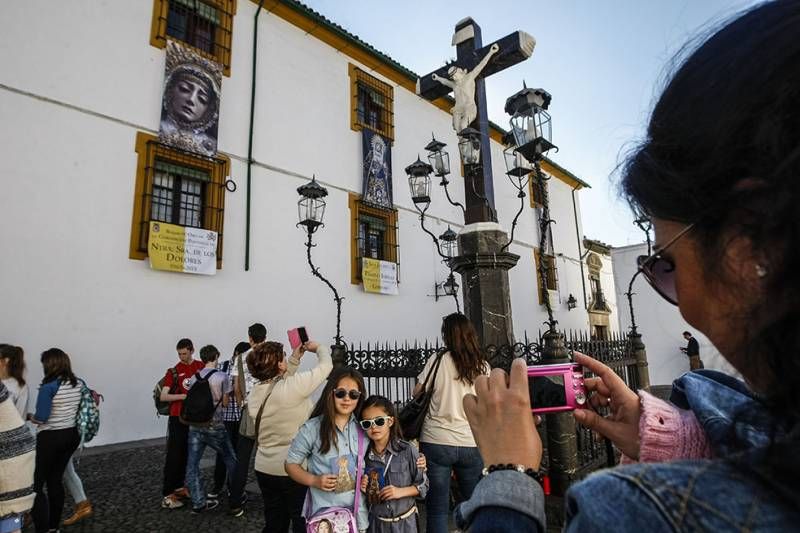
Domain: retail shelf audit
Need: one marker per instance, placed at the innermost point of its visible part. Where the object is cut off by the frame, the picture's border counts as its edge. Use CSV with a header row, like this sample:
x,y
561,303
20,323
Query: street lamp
x,y
469,146
572,303
449,240
438,157
311,211
530,122
419,183
311,206
449,287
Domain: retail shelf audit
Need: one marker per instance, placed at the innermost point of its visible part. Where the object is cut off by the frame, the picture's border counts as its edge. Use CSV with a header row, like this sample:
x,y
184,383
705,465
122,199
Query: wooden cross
x,y
513,48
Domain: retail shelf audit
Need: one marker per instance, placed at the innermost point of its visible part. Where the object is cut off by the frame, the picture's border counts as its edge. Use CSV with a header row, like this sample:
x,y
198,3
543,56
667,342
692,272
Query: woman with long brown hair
x,y
12,373
446,438
57,437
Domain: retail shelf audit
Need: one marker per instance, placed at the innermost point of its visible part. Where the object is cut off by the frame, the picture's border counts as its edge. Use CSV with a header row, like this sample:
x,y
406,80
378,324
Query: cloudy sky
x,y
604,63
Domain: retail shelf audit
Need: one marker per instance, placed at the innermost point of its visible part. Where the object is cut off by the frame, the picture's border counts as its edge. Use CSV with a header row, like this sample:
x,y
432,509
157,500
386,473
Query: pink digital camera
x,y
555,388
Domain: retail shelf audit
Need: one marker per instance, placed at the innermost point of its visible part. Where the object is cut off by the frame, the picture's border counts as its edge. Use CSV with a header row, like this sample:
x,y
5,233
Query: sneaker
x,y
182,493
215,494
171,502
236,512
210,504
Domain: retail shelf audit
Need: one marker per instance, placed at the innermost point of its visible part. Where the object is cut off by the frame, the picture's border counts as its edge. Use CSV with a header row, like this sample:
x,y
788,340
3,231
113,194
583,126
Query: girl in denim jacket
x,y
719,177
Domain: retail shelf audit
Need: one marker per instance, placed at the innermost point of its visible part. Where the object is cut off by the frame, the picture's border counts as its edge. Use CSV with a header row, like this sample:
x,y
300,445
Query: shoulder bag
x,y
413,413
247,424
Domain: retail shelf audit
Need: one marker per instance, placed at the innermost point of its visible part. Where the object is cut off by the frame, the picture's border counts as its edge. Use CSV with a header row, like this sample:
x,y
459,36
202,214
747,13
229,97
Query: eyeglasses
x,y
378,421
659,271
354,394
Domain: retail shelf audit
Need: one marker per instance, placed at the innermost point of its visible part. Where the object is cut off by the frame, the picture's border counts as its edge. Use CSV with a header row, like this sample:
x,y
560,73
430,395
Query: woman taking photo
x,y
282,398
719,176
57,437
446,439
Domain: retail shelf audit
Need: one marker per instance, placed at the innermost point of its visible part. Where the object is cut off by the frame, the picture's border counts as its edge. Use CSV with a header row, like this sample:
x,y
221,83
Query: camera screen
x,y
547,391
303,335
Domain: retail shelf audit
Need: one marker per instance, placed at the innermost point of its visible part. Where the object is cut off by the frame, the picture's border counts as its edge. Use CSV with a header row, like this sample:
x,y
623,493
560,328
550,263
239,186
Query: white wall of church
x,y
76,87
659,322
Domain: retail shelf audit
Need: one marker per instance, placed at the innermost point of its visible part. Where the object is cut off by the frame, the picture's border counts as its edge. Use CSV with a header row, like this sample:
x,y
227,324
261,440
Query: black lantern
x,y
419,182
517,165
449,287
449,243
438,158
530,122
311,206
469,145
572,303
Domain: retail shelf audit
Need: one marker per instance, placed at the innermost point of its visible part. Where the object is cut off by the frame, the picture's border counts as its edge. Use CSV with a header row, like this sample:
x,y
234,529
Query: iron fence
x,y
391,370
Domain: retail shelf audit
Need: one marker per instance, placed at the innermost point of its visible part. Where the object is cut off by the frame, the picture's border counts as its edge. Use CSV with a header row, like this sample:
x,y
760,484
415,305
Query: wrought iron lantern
x,y
449,241
517,165
530,122
449,287
572,303
311,206
438,158
419,182
469,145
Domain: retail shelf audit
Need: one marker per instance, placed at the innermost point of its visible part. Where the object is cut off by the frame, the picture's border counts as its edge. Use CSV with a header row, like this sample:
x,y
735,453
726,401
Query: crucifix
x,y
465,78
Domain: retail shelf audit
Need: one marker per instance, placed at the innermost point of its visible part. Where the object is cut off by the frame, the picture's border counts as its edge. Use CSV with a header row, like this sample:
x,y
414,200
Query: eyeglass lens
x,y
660,273
380,422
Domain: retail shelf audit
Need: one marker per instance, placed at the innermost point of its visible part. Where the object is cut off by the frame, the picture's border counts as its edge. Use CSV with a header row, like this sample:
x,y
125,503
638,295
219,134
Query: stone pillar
x,y
639,352
484,281
339,355
562,442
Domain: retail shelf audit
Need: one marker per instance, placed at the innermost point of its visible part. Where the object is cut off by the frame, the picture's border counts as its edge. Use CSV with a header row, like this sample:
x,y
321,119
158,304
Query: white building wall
x,y
659,322
75,88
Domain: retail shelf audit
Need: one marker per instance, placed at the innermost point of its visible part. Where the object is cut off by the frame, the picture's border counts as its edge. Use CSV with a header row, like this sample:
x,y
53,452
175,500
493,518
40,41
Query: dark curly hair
x,y
722,152
263,360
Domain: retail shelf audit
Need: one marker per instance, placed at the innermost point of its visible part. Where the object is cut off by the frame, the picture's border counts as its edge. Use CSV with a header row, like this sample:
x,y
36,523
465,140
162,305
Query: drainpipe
x,y
250,138
580,255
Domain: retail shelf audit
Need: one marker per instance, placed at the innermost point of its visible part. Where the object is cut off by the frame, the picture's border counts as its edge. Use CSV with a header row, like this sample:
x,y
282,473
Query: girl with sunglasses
x,y
328,445
396,468
719,176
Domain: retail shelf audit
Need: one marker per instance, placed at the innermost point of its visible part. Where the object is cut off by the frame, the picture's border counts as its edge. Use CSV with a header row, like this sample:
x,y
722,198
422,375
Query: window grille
x,y
206,25
374,234
551,273
177,188
372,103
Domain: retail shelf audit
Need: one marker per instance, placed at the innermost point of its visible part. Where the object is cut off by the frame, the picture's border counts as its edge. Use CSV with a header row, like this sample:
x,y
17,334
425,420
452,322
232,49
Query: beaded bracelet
x,y
535,474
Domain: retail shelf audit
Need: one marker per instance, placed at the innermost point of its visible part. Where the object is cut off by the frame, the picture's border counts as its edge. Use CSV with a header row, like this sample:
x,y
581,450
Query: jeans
x,y
220,471
53,451
244,449
73,482
175,464
283,501
200,437
442,461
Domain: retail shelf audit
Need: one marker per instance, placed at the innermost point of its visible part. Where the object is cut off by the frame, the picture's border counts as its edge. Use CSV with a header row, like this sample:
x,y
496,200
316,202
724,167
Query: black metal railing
x,y
391,370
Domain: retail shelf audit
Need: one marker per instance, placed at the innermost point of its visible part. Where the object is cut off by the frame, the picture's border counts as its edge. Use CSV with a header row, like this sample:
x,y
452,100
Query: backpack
x,y
162,408
337,519
198,408
87,420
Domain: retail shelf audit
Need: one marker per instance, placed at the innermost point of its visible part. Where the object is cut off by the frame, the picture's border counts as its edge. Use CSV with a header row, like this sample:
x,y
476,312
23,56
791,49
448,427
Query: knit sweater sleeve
x,y
668,433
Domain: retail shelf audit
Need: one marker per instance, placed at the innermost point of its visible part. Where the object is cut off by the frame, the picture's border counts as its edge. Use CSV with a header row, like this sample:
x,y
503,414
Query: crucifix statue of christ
x,y
465,78
483,262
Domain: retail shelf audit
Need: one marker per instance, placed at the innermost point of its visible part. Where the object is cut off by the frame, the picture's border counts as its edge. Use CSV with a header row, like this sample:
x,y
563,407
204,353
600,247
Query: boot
x,y
82,510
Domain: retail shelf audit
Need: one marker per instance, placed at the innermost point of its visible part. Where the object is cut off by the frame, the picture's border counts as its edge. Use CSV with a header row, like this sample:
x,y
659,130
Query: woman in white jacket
x,y
281,403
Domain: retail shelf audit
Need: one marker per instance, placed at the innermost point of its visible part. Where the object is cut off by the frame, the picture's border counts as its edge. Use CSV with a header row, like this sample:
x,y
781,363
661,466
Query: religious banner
x,y
182,249
190,103
377,185
379,276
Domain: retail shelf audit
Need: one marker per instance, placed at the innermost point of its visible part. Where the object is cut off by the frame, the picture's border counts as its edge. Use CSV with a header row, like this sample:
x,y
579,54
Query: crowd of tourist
x,y
719,176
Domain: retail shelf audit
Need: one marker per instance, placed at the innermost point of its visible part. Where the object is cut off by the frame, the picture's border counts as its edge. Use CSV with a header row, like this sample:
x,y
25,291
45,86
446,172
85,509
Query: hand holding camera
x,y
608,390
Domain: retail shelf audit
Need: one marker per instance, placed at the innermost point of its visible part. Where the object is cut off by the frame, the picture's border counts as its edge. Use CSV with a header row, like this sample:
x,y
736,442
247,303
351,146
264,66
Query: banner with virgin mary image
x,y
190,104
377,185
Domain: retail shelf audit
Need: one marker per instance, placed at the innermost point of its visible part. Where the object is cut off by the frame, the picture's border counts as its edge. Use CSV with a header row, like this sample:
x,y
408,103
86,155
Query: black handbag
x,y
413,413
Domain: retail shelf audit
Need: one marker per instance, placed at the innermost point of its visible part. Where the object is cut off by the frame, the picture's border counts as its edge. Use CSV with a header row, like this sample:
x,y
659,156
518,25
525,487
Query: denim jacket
x,y
727,493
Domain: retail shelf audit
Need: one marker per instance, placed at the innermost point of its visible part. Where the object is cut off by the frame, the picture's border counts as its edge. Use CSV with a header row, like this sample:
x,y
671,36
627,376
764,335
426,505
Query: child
x,y
328,443
393,464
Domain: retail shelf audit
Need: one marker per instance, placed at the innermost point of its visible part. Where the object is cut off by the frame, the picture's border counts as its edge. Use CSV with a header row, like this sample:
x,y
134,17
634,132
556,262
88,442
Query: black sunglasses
x,y
659,271
341,393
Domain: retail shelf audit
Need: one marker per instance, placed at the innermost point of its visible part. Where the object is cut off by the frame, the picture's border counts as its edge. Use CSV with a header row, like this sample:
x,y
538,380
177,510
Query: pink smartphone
x,y
297,336
555,388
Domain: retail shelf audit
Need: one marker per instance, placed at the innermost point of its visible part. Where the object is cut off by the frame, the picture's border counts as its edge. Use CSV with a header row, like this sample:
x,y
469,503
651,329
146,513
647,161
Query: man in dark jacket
x,y
692,350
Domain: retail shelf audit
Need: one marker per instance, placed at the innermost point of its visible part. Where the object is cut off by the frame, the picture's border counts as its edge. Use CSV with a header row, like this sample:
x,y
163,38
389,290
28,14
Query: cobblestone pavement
x,y
124,485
